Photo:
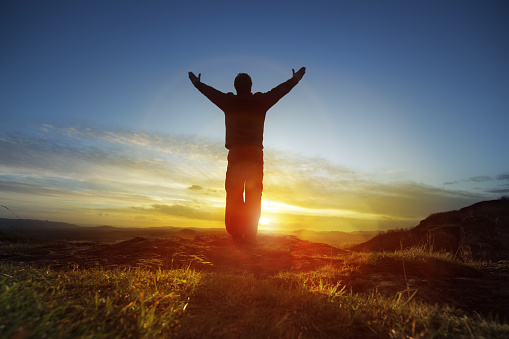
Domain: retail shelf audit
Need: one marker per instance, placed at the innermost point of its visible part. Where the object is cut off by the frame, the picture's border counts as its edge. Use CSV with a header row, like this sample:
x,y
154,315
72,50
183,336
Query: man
x,y
244,119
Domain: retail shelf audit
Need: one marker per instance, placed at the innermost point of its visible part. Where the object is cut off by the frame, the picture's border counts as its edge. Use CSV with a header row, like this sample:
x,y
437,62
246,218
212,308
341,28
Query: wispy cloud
x,y
198,213
503,187
504,177
480,178
319,184
121,177
498,184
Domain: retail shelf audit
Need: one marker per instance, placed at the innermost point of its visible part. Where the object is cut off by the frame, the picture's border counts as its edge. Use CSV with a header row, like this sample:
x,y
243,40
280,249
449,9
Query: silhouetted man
x,y
244,119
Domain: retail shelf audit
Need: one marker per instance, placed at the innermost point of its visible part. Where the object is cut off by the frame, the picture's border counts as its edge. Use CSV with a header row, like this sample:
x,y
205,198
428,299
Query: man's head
x,y
243,83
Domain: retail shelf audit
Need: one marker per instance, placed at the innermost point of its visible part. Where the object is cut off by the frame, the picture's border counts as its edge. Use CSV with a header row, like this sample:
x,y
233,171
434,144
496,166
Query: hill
x,y
437,279
476,232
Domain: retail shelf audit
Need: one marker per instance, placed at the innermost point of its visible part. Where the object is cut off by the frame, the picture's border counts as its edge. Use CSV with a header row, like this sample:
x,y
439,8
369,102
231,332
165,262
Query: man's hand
x,y
194,79
300,73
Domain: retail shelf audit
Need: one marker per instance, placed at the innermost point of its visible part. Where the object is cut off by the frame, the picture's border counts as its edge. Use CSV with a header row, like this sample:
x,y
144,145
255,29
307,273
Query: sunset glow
x,y
155,180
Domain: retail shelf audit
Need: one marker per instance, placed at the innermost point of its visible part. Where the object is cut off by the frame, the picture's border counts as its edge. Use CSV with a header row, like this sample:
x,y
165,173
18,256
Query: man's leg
x,y
234,185
253,192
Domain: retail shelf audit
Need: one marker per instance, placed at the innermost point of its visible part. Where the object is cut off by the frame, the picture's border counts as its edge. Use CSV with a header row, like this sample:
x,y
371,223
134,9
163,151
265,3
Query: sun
x,y
264,221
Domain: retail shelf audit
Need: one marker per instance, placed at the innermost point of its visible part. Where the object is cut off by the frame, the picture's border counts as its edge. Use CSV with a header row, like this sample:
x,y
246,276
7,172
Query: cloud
x,y
24,188
500,190
481,178
183,211
504,176
485,185
106,156
504,188
126,172
319,184
85,171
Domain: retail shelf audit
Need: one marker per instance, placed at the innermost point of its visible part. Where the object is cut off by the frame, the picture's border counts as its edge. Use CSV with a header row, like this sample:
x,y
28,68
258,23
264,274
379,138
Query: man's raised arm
x,y
210,92
275,94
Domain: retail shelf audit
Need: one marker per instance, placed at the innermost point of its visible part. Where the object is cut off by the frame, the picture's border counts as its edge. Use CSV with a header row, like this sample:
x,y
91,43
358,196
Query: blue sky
x,y
403,110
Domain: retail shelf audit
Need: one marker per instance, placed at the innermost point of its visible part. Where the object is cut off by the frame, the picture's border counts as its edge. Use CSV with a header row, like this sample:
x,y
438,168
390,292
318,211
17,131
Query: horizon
x,y
402,112
15,217
266,231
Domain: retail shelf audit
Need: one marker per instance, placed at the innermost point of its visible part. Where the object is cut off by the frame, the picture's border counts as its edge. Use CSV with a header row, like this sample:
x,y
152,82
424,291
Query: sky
x,y
403,111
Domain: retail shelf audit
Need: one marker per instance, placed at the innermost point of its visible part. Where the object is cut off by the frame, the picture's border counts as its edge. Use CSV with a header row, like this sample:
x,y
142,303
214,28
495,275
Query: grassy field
x,y
185,303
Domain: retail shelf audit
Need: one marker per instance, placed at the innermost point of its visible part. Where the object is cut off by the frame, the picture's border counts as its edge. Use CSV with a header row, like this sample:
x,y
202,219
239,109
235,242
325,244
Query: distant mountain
x,y
27,225
479,231
16,230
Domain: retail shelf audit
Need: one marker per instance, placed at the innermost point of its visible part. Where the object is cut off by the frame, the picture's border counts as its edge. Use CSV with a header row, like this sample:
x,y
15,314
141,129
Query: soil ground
x,y
483,288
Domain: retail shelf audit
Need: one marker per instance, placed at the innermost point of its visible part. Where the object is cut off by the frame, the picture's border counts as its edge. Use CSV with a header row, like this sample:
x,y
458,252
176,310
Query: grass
x,y
183,303
37,302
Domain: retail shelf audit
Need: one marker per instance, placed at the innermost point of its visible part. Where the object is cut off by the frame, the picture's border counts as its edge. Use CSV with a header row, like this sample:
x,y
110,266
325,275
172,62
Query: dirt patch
x,y
271,254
